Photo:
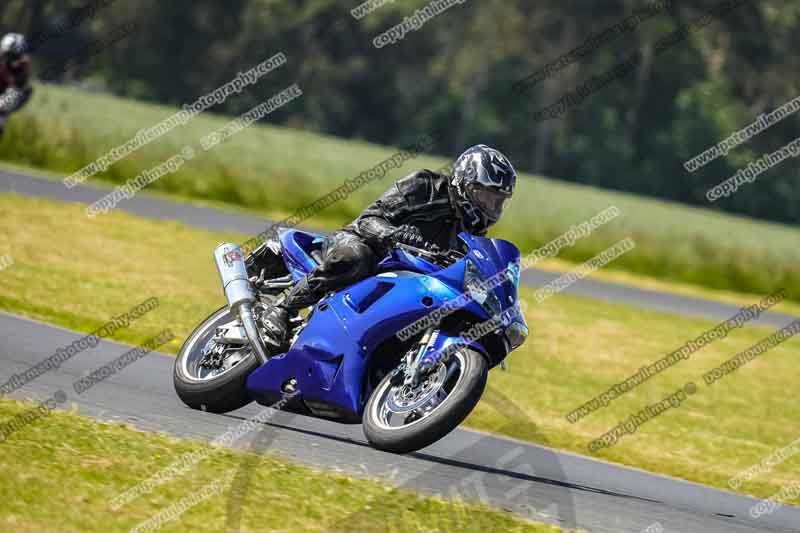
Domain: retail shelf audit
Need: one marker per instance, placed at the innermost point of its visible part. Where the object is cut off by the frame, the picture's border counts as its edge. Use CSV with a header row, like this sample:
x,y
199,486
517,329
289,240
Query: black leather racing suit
x,y
15,88
421,199
17,77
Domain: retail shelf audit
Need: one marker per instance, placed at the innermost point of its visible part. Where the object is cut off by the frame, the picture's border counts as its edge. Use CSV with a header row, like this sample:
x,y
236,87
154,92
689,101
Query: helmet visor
x,y
490,201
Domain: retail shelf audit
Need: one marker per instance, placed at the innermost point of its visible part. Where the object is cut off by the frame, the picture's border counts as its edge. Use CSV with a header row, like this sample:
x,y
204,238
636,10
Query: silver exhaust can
x,y
233,274
239,292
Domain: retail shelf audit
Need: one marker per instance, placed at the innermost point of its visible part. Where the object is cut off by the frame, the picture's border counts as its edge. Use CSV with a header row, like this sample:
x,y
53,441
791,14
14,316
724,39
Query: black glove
x,y
431,247
408,234
411,235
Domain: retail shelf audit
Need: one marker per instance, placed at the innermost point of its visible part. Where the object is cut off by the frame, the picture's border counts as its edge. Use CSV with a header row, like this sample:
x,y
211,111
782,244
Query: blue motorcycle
x,y
405,352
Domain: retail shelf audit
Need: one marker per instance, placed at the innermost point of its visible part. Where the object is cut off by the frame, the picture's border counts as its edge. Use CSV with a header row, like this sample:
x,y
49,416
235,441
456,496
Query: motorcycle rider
x,y
425,209
15,88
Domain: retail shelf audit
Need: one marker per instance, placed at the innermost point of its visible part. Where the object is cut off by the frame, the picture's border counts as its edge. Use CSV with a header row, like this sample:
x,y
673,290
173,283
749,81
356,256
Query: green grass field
x,y
277,170
76,272
72,467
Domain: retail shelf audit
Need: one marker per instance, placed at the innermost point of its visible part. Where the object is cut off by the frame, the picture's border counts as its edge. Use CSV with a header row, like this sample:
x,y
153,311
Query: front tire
x,y
217,394
463,395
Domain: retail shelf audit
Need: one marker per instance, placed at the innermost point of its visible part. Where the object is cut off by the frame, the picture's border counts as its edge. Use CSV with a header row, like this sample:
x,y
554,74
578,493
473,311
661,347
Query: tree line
x,y
640,87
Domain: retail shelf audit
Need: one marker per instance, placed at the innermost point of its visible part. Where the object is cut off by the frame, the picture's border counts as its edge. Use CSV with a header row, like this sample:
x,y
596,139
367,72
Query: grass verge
x,y
280,170
556,264
76,272
71,467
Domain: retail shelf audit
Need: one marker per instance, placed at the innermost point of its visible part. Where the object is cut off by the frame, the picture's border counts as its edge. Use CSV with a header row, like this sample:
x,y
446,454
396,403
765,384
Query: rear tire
x,y
445,418
221,394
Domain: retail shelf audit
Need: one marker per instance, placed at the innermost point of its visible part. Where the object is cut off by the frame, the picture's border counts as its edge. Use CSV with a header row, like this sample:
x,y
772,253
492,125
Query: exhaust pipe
x,y
239,292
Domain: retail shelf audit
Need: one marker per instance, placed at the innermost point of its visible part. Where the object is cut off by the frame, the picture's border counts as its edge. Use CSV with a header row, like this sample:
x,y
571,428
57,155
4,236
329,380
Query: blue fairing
x,y
296,246
331,356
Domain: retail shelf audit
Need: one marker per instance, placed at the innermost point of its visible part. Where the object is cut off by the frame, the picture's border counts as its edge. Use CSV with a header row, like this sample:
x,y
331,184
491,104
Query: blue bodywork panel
x,y
331,356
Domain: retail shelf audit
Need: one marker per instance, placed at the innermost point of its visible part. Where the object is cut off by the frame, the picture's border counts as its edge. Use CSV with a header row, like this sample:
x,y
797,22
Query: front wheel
x,y
402,419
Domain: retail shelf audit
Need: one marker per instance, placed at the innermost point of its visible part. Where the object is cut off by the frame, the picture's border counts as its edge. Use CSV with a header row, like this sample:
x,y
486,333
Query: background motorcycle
x,y
345,359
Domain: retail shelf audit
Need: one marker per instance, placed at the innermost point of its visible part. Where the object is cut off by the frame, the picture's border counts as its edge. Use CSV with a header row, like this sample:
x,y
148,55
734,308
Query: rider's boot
x,y
276,324
276,321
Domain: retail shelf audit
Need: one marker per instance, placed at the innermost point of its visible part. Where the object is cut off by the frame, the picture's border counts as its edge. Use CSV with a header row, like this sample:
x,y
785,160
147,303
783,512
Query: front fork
x,y
413,360
421,359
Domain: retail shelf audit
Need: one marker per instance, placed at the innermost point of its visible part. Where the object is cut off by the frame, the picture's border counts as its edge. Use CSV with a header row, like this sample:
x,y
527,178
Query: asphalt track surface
x,y
536,482
532,481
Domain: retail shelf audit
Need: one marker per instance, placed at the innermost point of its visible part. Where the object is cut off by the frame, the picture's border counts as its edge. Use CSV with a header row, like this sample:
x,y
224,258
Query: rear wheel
x,y
212,376
401,419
